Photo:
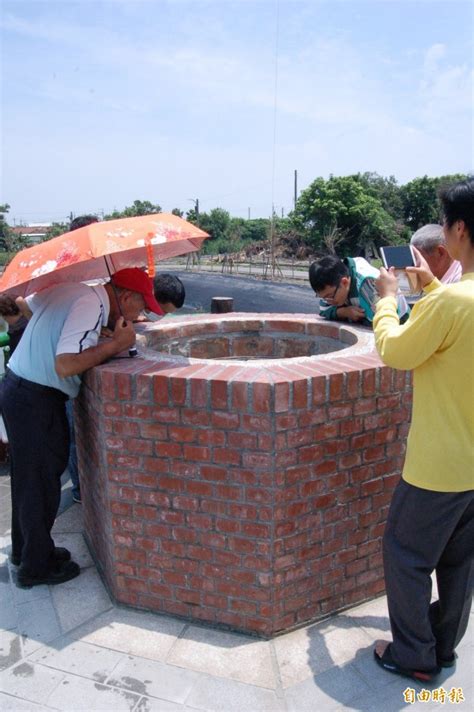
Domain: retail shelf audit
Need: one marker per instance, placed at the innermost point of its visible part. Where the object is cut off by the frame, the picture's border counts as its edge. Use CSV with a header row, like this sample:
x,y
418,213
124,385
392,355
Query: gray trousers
x,y
428,531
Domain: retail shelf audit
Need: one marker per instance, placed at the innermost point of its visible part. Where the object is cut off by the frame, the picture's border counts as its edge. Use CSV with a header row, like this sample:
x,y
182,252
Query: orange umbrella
x,y
78,256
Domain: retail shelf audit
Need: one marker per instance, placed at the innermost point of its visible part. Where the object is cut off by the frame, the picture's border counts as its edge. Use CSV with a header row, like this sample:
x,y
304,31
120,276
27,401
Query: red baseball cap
x,y
136,280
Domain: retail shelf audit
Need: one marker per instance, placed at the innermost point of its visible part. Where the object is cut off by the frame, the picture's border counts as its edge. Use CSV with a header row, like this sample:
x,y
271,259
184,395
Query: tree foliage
x,y
420,199
385,190
228,234
346,205
57,228
9,240
4,229
138,207
349,215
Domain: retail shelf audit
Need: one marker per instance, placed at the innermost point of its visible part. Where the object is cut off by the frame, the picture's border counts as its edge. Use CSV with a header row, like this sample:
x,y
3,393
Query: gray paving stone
x,y
38,620
229,655
368,669
330,690
77,546
5,521
372,617
30,682
27,595
78,694
15,704
143,634
81,599
70,521
217,695
5,547
10,649
154,679
78,658
8,616
151,704
30,645
388,699
310,651
462,674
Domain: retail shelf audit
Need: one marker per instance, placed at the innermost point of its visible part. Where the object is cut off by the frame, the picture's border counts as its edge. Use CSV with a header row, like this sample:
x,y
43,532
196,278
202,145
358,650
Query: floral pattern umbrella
x,y
99,249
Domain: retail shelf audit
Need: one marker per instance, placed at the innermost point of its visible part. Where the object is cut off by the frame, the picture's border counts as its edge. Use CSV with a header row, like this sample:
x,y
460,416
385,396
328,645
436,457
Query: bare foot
x,y
380,647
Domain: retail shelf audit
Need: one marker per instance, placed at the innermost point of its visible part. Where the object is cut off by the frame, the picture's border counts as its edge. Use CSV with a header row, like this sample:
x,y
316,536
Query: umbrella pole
x,y
132,352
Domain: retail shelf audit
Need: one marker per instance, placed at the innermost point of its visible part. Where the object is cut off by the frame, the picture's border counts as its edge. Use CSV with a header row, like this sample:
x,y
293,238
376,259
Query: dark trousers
x,y
38,434
72,466
428,531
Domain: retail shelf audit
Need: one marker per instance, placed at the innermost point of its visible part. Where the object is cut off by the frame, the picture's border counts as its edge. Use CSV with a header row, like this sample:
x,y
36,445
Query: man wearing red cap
x,y
60,342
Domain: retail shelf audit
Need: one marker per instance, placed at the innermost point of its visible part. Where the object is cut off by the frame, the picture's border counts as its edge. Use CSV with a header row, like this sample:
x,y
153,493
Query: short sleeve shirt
x,y
66,318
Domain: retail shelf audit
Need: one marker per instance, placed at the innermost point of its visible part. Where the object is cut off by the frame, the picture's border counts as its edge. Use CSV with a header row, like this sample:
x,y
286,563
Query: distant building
x,y
34,232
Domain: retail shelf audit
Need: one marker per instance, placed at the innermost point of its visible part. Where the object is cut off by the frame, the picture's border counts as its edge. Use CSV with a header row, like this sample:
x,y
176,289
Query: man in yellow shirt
x,y
430,525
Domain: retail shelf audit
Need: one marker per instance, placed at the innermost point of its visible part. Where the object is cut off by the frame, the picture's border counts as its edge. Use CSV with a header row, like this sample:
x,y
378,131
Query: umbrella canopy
x,y
78,256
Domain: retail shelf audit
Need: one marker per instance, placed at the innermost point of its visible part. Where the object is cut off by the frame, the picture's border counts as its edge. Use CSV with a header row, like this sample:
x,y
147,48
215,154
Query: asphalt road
x,y
250,295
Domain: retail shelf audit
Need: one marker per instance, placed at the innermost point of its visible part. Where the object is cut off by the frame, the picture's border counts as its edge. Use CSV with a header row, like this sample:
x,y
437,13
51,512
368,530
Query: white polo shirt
x,y
67,319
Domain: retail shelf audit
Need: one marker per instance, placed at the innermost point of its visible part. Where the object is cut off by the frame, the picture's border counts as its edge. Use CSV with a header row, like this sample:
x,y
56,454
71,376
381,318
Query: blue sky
x,y
166,100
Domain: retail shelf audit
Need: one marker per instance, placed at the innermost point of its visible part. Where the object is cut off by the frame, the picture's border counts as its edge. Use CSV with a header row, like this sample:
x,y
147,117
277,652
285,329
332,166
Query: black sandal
x,y
386,662
447,662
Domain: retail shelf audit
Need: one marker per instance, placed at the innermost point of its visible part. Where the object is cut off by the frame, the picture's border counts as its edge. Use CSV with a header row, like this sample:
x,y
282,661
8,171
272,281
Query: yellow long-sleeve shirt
x,y
437,343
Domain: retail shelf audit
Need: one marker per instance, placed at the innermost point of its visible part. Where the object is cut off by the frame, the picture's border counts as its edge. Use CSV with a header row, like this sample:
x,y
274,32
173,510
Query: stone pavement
x,y
70,648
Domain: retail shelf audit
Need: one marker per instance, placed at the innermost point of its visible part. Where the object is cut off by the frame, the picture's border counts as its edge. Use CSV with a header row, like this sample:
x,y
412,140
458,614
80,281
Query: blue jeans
x,y
72,462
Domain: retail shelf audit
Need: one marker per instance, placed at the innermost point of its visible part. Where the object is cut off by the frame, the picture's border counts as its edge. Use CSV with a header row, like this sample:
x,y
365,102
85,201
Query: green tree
x,y
178,212
57,228
386,190
9,240
4,228
138,207
420,199
347,205
255,230
217,223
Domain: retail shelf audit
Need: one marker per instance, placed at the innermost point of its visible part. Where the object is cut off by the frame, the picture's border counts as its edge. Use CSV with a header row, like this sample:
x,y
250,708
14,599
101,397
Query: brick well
x,y
239,470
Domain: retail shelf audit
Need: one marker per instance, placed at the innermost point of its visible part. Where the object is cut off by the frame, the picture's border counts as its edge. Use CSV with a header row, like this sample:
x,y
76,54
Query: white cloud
x,y
341,107
433,56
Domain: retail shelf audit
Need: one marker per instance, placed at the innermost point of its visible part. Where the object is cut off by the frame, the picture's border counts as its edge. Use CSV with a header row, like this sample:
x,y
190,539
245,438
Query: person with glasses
x,y
346,289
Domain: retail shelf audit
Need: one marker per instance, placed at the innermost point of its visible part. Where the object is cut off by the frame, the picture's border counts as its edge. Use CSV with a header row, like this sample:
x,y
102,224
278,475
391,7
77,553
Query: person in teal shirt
x,y
346,289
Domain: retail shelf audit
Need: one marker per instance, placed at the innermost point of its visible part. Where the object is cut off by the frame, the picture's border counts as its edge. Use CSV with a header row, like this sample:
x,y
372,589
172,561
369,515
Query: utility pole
x,y
248,218
296,188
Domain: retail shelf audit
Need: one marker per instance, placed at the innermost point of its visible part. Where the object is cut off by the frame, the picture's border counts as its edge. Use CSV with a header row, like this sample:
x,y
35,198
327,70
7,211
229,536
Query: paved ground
x,y
70,648
250,295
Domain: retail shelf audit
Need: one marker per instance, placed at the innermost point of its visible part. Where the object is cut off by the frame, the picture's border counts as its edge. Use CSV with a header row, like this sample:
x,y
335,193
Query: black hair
x,y
169,288
327,272
8,306
458,204
82,221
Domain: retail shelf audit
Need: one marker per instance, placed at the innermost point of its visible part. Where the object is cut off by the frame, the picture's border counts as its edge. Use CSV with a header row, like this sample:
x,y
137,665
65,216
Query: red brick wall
x,y
251,495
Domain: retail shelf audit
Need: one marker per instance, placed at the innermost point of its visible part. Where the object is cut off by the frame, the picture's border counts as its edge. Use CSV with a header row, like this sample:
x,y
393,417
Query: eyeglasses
x,y
332,297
